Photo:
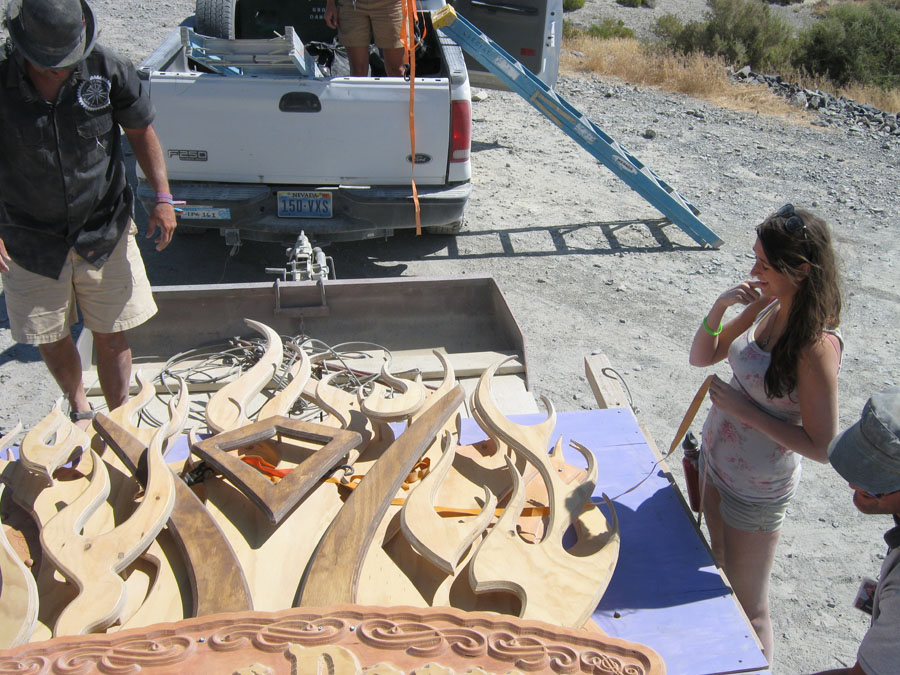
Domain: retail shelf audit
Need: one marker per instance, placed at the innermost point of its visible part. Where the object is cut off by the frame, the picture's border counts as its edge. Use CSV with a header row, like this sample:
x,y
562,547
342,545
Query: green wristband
x,y
709,330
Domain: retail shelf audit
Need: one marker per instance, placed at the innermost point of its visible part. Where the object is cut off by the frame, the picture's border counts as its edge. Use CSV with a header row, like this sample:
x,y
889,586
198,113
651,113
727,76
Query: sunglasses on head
x,y
792,222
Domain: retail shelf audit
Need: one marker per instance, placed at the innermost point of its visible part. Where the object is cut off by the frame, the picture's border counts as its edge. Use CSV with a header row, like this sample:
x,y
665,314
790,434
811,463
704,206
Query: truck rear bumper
x,y
358,212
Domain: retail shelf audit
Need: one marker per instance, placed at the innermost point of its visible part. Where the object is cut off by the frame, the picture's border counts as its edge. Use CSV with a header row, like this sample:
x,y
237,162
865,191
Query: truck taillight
x,y
461,130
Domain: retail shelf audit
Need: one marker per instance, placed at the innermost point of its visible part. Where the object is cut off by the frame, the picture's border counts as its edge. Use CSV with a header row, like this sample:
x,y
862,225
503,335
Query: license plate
x,y
202,213
296,204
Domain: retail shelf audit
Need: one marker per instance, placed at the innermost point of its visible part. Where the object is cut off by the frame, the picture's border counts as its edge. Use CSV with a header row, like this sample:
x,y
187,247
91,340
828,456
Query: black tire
x,y
449,228
216,18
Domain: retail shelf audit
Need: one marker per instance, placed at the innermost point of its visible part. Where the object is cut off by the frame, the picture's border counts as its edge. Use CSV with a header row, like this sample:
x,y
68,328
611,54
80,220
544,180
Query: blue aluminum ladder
x,y
577,125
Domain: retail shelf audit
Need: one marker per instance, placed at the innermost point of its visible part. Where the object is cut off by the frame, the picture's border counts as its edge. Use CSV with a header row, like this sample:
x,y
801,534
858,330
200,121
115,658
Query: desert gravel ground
x,y
586,266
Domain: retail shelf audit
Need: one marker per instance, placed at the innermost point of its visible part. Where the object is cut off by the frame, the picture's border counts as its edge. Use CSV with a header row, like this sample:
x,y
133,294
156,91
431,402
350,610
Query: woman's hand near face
x,y
744,293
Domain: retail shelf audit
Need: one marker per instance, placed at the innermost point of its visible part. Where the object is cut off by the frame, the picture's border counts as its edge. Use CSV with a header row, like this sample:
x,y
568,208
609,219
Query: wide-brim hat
x,y
867,454
52,33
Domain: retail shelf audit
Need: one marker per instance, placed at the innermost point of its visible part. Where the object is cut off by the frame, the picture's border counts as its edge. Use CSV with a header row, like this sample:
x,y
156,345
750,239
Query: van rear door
x,y
530,30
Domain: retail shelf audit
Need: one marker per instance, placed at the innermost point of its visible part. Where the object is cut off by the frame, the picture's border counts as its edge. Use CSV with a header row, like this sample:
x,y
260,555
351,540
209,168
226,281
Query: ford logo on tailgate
x,y
421,158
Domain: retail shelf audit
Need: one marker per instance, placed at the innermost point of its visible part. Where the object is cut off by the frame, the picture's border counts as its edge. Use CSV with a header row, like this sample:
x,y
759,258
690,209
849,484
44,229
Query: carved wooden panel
x,y
342,639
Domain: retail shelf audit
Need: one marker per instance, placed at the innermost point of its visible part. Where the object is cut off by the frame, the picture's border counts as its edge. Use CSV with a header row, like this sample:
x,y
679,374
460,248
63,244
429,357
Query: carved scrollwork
x,y
531,654
599,662
126,657
465,641
30,665
275,636
305,632
416,638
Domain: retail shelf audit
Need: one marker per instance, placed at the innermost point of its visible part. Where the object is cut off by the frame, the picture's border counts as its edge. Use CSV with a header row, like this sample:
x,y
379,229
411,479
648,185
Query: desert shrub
x,y
570,30
629,3
610,29
743,32
854,43
572,5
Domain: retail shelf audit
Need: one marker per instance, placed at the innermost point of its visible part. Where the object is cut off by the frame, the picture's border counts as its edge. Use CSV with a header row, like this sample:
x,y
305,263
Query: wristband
x,y
709,330
166,198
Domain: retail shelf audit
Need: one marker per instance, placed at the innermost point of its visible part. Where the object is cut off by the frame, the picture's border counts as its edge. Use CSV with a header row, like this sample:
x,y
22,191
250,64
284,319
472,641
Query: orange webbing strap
x,y
449,511
408,37
445,511
418,472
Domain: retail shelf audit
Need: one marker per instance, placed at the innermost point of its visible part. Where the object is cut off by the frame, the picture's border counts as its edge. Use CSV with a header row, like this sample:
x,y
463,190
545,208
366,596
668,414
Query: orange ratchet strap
x,y
418,472
408,38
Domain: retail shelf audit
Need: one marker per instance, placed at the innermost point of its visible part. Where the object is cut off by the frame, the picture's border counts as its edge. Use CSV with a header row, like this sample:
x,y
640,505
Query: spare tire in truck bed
x,y
216,18
262,19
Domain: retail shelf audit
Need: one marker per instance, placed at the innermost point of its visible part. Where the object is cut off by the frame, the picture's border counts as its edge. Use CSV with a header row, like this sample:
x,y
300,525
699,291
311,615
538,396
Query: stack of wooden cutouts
x,y
372,503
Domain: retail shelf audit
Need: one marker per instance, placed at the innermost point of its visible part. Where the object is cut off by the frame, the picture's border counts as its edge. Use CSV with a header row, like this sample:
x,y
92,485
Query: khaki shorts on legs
x,y
359,21
114,298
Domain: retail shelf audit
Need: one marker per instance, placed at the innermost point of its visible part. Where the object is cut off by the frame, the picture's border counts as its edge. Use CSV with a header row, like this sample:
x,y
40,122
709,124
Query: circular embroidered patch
x,y
93,93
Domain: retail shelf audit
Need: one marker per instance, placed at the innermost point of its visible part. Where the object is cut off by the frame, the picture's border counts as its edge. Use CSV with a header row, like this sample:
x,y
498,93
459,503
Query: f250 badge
x,y
189,155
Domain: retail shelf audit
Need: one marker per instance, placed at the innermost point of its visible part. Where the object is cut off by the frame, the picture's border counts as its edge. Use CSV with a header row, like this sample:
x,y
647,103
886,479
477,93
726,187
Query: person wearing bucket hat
x,y
66,210
867,455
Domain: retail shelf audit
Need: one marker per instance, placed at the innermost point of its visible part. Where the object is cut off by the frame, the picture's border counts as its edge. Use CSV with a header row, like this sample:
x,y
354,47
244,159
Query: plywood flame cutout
x,y
93,563
126,415
280,404
227,409
7,441
18,591
505,561
344,411
443,541
406,398
51,442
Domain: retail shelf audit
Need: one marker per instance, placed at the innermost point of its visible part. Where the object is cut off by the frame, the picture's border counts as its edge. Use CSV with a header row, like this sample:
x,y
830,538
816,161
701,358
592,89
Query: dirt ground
x,y
586,265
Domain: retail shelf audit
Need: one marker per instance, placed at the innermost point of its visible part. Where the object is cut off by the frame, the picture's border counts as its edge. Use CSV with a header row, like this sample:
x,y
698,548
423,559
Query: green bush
x,y
610,28
570,30
854,43
572,5
629,3
743,32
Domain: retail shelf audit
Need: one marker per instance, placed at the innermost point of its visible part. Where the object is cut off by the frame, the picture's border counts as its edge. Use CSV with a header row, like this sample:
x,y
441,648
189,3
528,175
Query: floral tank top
x,y
743,460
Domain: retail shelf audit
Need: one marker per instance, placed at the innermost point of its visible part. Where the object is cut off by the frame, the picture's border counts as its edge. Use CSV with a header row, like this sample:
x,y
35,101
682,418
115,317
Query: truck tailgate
x,y
293,130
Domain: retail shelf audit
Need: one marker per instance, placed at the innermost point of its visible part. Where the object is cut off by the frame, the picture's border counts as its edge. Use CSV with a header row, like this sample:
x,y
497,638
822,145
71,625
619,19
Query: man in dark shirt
x,y
66,228
867,455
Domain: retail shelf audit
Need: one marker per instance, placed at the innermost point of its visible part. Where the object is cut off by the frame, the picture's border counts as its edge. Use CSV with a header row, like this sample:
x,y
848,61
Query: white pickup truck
x,y
263,143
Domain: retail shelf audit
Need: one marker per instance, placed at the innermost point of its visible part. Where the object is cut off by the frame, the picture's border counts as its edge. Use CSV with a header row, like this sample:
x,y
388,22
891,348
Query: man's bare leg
x,y
393,61
113,367
64,363
359,61
113,370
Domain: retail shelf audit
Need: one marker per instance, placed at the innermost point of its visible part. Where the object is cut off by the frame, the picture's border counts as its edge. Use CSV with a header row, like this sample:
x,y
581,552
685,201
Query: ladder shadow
x,y
561,245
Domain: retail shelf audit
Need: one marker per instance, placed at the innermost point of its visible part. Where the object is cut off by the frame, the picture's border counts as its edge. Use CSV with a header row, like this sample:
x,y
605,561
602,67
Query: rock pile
x,y
833,110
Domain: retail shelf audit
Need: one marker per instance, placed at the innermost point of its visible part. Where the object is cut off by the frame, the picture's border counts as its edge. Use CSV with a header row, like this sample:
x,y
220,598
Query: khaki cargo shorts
x,y
114,298
365,21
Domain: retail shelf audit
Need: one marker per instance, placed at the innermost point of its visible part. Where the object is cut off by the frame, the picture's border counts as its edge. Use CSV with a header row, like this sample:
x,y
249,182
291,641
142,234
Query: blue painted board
x,y
665,592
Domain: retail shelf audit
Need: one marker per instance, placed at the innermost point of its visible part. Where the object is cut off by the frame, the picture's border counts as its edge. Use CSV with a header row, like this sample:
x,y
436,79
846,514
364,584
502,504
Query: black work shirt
x,y
62,172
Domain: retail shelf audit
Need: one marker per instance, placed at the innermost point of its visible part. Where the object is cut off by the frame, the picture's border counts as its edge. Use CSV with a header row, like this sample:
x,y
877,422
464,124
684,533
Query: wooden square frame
x,y
277,500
